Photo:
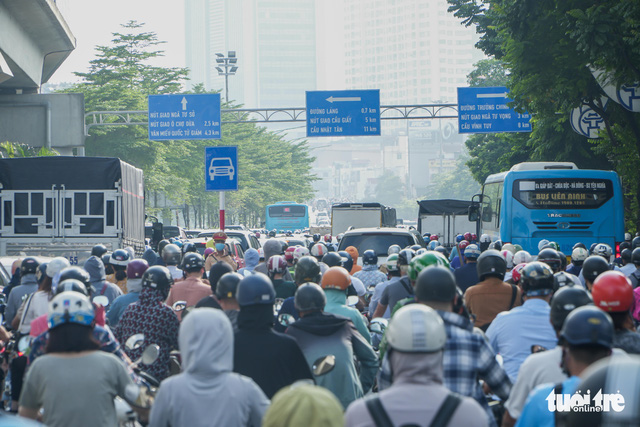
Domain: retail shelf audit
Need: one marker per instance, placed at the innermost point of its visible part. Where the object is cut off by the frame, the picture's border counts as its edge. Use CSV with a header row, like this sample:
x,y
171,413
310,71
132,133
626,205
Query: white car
x,y
221,166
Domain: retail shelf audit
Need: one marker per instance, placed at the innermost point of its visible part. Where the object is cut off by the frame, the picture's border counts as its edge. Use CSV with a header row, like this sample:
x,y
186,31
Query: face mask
x,y
220,246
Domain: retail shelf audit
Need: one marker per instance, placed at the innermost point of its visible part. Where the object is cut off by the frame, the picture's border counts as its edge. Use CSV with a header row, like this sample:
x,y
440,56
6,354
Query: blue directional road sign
x,y
221,168
184,116
343,113
484,110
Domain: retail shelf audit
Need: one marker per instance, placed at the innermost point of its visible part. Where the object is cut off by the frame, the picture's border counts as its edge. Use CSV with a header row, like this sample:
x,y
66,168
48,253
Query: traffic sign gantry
x,y
221,168
485,110
343,113
184,116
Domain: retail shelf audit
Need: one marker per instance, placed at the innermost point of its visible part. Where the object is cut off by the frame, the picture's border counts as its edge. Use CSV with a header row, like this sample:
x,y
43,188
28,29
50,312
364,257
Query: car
x,y
246,238
221,166
379,239
192,233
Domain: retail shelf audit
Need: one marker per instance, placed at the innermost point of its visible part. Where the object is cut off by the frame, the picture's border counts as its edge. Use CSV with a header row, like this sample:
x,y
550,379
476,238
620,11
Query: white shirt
x,y
628,269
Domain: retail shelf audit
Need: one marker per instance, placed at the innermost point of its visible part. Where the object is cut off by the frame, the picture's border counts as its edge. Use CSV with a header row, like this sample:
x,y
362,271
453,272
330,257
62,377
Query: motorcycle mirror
x,y
134,342
24,343
101,300
323,365
179,306
286,319
352,300
3,299
150,354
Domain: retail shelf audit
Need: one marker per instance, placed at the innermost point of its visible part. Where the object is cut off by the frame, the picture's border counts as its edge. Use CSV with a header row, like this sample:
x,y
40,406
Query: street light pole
x,y
226,67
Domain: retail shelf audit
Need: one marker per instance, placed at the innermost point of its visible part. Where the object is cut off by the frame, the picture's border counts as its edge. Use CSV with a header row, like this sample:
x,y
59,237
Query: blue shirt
x,y
512,333
536,411
467,276
119,305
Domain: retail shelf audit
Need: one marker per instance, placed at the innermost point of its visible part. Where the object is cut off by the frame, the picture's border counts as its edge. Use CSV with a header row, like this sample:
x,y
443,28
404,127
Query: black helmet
x,y
72,285
171,254
29,266
99,250
624,245
562,279
227,285
537,279
551,257
316,237
120,257
307,270
497,245
41,273
593,266
564,301
157,277
563,261
635,243
76,273
369,257
332,259
405,256
592,247
161,245
635,256
192,261
579,245
626,254
255,289
588,325
491,264
442,250
347,261
189,247
436,284
310,297
415,247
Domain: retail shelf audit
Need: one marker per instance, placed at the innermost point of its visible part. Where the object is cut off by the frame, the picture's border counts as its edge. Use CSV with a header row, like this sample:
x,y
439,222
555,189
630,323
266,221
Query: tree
x,y
389,189
458,184
15,149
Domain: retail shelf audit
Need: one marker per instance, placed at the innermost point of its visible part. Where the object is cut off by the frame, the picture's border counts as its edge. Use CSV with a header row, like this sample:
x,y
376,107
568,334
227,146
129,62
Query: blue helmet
x,y
369,257
254,290
588,325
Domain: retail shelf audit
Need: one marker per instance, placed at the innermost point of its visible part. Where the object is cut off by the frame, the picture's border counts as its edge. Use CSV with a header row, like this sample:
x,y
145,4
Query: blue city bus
x,y
555,201
284,216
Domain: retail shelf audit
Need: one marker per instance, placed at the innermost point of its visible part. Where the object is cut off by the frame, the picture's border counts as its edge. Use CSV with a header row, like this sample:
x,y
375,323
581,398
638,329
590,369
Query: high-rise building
x,y
274,40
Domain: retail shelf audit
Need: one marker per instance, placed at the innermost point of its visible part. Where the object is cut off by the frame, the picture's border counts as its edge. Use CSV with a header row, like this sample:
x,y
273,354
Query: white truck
x,y
345,216
446,218
63,206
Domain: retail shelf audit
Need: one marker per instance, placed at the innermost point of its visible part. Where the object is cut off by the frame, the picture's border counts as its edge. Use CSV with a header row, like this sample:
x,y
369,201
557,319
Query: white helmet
x,y
508,257
56,265
485,238
509,247
70,307
416,328
319,250
299,252
579,254
603,250
542,243
522,257
393,249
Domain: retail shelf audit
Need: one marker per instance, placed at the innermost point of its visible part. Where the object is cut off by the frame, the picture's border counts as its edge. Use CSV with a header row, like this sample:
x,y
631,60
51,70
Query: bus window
x,y
565,193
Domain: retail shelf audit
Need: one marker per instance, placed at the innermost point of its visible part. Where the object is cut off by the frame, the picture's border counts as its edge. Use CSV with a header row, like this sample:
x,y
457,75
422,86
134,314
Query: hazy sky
x,y
92,22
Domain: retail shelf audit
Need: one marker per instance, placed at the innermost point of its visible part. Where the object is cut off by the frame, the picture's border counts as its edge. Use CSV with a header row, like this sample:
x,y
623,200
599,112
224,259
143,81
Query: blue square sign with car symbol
x,y
221,168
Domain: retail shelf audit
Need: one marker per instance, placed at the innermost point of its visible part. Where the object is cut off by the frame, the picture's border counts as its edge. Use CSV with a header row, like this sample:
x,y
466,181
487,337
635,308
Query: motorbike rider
x,y
276,268
171,255
272,247
207,392
319,334
398,290
592,267
273,360
28,285
417,337
634,277
95,267
119,260
393,275
135,270
218,270
370,275
151,317
192,289
251,260
307,270
221,253
353,251
303,404
226,295
467,274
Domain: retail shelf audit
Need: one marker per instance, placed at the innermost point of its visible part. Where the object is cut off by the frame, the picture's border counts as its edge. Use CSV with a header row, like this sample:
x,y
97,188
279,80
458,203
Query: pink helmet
x,y
277,265
288,254
136,268
207,252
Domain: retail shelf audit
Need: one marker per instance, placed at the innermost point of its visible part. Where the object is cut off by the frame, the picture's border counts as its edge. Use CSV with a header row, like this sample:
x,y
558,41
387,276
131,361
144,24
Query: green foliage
x,y
389,189
121,77
15,149
458,184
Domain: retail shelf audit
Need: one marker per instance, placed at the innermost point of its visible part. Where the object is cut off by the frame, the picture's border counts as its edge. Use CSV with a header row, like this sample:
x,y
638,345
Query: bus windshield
x,y
287,210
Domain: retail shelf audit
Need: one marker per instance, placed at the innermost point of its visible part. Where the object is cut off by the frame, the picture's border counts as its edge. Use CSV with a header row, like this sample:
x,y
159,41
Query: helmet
x,y
564,301
427,235
593,266
29,265
433,244
592,247
327,238
635,243
255,289
319,250
588,325
276,265
405,256
288,254
554,245
72,285
626,255
136,268
120,257
309,297
508,257
562,279
425,260
339,236
472,252
474,237
521,257
157,277
433,237
537,279
227,285
509,247
416,247
635,256
347,261
416,328
516,273
369,257
307,270
551,257
261,254
208,251
56,265
436,284
76,273
333,259
299,252
542,243
579,245
392,263
485,238
442,250
192,262
336,278
70,307
462,245
603,250
421,251
393,249
171,254
612,292
491,264
467,236
161,245
189,247
42,272
624,245
627,237
272,233
578,255
459,238
316,237
517,247
99,250
497,245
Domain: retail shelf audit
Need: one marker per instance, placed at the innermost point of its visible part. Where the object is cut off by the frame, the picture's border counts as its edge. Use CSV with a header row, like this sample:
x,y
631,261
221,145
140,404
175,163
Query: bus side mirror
x,y
487,214
474,213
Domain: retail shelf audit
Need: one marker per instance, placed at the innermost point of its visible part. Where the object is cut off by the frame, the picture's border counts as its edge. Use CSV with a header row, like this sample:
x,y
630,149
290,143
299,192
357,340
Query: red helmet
x,y
327,238
288,254
516,273
462,245
433,237
474,237
612,292
467,236
136,268
277,264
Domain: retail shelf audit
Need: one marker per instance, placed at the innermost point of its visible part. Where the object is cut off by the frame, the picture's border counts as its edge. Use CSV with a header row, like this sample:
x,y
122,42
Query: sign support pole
x,y
222,210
